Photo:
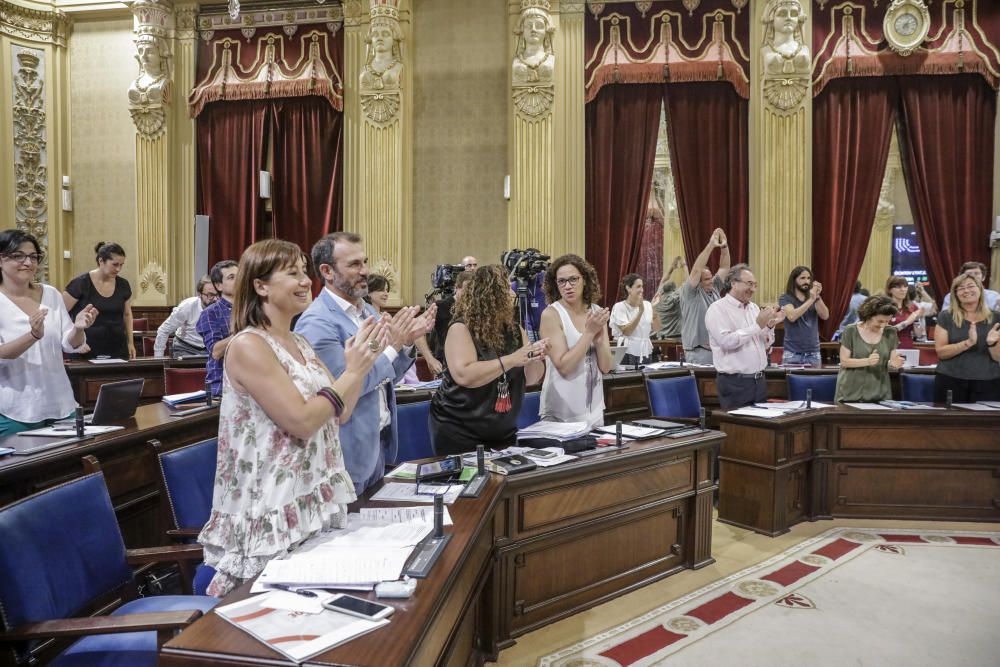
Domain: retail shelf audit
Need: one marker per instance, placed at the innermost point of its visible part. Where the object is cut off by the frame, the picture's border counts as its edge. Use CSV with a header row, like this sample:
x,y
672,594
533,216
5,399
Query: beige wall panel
x,y
103,141
460,134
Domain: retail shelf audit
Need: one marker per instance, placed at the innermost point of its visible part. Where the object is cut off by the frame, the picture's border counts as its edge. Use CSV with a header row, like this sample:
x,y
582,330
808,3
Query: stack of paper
x,y
791,405
407,493
763,413
173,400
561,431
631,432
982,406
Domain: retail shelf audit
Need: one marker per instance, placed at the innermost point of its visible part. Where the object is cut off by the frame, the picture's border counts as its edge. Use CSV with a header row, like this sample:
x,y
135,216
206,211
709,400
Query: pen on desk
x,y
298,591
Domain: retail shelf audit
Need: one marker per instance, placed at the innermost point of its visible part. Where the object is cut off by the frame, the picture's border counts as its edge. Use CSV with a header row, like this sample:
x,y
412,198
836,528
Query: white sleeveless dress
x,y
272,490
579,396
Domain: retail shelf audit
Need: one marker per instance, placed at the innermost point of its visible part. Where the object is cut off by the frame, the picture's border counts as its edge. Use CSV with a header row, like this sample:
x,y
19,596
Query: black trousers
x,y
737,391
965,391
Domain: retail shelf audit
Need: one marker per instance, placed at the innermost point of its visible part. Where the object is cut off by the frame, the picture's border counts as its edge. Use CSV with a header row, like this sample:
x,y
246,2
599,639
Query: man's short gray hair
x,y
735,275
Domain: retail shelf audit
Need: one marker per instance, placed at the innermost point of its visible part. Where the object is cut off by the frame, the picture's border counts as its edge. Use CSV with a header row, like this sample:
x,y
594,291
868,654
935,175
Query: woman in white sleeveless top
x,y
280,476
579,353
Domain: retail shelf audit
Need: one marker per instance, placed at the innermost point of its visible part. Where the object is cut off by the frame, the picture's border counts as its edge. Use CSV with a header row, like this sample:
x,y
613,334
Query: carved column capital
x,y
149,93
534,61
186,21
785,55
33,24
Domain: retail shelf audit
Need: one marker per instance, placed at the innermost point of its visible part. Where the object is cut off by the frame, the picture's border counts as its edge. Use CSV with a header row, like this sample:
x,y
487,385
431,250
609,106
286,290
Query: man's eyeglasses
x,y
210,296
19,257
749,283
562,282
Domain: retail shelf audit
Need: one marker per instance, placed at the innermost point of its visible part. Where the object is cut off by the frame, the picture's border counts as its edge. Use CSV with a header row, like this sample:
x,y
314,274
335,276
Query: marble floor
x,y
733,549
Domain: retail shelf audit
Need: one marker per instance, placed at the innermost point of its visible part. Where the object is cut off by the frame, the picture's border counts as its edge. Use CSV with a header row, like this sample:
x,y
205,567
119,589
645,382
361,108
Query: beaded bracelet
x,y
34,336
330,394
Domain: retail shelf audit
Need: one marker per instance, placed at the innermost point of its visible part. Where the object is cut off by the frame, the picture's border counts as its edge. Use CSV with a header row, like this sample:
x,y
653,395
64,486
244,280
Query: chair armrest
x,y
181,534
176,552
101,625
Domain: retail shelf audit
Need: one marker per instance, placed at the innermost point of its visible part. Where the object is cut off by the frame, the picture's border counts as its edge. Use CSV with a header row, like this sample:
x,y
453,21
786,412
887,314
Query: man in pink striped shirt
x,y
740,333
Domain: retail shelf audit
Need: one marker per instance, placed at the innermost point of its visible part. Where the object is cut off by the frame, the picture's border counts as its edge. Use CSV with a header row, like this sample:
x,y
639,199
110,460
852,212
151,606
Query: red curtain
x,y
946,141
308,184
853,120
231,144
622,124
707,133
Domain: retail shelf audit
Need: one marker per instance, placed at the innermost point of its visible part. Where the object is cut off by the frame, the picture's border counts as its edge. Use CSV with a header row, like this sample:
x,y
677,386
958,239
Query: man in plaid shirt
x,y
213,325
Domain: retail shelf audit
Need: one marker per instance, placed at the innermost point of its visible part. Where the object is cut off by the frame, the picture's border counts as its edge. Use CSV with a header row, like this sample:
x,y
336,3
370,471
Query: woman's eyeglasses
x,y
20,257
562,282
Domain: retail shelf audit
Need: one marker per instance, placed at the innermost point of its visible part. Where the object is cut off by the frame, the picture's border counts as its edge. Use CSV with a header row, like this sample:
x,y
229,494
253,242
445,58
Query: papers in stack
x,y
396,492
64,430
980,406
294,634
403,514
561,431
868,406
631,432
358,556
173,400
763,413
107,361
908,405
792,405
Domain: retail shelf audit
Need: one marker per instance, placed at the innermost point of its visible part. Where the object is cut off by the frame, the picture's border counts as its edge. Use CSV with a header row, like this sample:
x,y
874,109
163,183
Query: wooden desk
x,y
533,548
87,378
128,466
846,463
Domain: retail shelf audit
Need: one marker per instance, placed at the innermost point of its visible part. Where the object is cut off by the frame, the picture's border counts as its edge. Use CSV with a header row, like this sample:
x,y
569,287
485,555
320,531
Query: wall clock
x,y
906,25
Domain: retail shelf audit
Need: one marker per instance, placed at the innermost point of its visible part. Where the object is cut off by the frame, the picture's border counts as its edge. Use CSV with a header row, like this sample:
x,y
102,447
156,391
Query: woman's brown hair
x,y
591,288
487,308
259,262
899,281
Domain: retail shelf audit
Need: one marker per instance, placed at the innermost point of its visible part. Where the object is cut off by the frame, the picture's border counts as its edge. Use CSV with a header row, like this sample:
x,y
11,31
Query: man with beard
x,y
803,307
369,438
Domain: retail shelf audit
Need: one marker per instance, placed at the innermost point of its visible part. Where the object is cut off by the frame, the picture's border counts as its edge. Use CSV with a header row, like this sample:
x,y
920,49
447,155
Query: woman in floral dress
x,y
280,476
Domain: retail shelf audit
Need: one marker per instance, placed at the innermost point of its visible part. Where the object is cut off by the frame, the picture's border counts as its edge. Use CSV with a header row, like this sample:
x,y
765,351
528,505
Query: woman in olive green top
x,y
867,352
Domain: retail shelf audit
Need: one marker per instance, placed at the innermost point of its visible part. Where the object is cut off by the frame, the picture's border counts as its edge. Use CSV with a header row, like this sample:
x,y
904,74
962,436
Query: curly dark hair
x,y
878,304
591,288
487,309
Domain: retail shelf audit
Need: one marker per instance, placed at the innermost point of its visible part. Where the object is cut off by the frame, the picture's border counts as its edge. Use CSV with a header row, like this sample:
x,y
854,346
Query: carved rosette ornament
x,y
30,170
786,56
534,61
380,78
149,94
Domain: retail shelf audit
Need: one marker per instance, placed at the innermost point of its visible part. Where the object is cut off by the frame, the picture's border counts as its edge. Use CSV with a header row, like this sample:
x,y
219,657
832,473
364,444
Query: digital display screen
x,y
448,466
907,259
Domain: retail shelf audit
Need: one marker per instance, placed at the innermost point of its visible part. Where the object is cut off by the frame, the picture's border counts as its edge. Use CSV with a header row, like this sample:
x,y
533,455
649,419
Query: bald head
x,y
470,263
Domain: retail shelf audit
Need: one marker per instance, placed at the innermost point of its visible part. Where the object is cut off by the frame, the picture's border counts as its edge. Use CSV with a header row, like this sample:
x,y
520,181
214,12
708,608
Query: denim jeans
x,y
806,358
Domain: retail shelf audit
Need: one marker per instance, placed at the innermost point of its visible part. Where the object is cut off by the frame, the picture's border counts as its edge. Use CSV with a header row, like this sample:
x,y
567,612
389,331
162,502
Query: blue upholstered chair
x,y
187,481
824,387
529,409
414,431
916,387
675,397
62,554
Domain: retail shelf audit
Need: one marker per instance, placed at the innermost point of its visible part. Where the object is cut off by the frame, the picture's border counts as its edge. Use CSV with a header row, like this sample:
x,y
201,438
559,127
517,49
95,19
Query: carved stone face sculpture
x,y
786,18
382,39
149,59
533,30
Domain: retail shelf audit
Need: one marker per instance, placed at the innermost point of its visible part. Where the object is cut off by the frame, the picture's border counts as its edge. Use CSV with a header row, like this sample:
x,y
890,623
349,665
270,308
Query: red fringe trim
x,y
257,90
678,73
890,64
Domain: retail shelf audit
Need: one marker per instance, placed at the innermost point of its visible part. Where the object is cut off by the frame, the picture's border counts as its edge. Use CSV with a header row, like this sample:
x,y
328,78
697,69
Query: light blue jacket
x,y
326,326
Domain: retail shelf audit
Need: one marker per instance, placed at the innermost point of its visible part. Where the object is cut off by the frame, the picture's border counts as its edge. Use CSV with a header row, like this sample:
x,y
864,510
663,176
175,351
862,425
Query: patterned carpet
x,y
853,596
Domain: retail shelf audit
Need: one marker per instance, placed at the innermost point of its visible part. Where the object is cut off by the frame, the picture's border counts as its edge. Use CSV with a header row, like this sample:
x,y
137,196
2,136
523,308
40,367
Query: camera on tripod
x,y
443,281
526,268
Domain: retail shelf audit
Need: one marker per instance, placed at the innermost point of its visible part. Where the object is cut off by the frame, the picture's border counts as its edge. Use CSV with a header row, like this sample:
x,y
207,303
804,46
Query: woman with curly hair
x,y
488,363
577,330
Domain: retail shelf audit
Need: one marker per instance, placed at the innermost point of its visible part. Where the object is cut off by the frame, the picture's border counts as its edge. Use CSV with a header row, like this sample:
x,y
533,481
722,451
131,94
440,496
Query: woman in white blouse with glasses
x,y
35,329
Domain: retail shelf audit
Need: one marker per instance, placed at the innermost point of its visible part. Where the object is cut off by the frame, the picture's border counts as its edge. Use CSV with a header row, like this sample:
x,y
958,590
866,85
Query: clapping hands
x,y
993,335
85,317
597,323
37,323
769,316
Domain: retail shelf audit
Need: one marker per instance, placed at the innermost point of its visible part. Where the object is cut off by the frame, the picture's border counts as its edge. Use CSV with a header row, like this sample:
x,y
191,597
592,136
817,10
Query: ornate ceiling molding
x,y
34,25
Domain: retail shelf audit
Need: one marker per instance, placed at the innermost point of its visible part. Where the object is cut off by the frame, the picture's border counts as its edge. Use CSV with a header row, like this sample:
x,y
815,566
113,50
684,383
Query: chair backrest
x,y
183,380
928,356
673,397
59,549
824,387
777,355
147,346
188,475
140,324
414,431
916,387
529,409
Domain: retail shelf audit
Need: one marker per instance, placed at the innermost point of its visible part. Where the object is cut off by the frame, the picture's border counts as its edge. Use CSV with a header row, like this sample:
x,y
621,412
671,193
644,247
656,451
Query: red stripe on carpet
x,y
902,538
981,541
837,548
640,646
790,573
718,608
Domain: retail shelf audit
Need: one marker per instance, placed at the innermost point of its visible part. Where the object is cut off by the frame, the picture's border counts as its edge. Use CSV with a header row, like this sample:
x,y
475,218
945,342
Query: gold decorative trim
x,y
153,279
34,25
906,25
211,19
30,159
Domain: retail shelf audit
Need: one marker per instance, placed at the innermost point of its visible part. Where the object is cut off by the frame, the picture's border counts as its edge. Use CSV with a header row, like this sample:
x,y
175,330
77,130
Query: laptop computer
x,y
116,401
617,354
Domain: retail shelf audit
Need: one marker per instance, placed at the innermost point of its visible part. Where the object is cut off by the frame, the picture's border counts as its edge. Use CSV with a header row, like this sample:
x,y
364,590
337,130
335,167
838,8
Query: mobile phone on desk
x,y
541,454
348,604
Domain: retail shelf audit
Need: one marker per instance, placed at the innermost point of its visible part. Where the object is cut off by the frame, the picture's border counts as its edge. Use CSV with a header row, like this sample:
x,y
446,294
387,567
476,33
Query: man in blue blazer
x,y
369,437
